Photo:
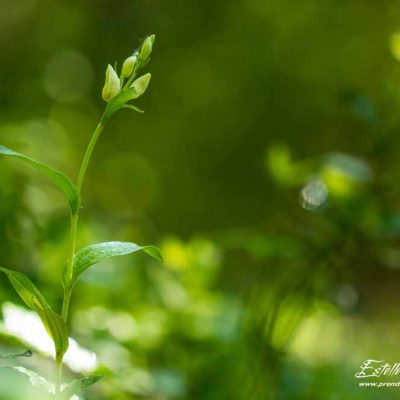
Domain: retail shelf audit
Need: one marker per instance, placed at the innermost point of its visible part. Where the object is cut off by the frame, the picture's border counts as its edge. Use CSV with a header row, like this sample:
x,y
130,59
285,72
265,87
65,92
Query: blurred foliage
x,y
265,167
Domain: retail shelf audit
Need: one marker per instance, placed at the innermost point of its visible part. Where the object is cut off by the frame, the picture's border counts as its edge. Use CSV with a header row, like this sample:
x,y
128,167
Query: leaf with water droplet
x,y
27,353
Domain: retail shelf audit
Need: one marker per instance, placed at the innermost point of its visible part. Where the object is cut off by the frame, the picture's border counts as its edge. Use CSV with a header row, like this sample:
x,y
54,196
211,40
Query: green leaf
x,y
31,296
36,380
60,179
18,383
97,252
77,385
130,107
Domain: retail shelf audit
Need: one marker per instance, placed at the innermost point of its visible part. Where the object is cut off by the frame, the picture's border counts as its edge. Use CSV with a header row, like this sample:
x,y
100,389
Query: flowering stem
x,y
116,94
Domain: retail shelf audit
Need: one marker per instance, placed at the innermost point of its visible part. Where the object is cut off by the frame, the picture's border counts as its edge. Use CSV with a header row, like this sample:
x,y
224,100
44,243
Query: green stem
x,y
72,244
59,362
74,227
75,217
88,154
66,300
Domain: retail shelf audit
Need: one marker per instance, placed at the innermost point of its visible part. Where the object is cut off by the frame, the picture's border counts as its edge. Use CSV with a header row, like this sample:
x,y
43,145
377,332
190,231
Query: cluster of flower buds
x,y
114,84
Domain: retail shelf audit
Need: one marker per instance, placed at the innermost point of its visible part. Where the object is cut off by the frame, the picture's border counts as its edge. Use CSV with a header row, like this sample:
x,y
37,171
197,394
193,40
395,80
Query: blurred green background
x,y
266,169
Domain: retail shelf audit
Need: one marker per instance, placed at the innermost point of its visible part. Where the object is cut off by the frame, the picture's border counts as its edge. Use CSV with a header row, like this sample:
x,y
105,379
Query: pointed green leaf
x,y
97,252
60,179
77,385
130,107
31,296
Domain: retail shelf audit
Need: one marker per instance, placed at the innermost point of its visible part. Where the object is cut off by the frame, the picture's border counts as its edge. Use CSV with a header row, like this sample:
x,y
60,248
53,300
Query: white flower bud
x,y
129,66
112,84
140,85
147,47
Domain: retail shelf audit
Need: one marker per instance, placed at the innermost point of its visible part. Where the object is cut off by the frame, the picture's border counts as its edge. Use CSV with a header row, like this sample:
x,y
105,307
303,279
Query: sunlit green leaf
x,y
31,296
17,383
36,380
60,179
97,252
77,385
